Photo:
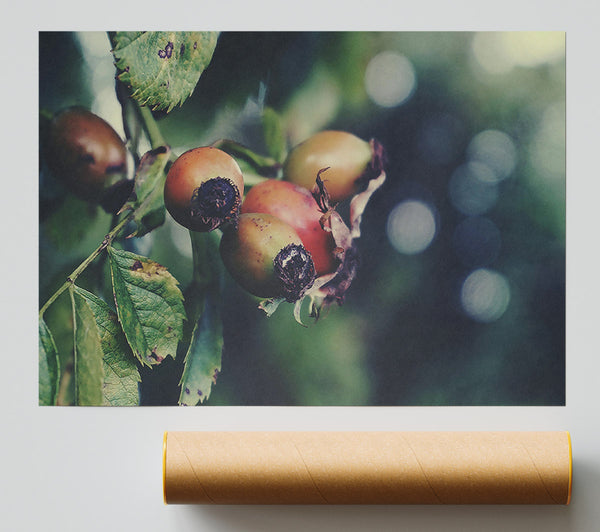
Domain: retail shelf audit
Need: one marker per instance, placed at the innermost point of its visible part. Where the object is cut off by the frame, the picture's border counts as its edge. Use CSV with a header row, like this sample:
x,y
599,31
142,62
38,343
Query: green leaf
x,y
150,174
162,68
89,371
203,359
121,375
149,305
273,134
148,199
125,38
49,372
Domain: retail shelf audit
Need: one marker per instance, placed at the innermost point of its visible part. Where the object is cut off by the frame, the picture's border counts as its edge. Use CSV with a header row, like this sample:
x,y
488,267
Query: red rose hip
x,y
203,189
85,153
266,257
295,206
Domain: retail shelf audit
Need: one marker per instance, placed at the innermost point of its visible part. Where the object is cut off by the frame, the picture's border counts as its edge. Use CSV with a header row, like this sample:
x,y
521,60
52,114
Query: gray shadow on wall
x,y
383,518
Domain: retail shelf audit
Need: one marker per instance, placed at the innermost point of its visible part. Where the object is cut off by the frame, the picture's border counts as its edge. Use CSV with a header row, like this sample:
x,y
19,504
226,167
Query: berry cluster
x,y
279,239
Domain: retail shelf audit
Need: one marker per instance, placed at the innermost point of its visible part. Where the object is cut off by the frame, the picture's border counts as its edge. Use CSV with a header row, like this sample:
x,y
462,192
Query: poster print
x,y
269,218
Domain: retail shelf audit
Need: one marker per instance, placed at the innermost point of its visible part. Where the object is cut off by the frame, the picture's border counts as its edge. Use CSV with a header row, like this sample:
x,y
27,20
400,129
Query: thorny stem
x,y
80,269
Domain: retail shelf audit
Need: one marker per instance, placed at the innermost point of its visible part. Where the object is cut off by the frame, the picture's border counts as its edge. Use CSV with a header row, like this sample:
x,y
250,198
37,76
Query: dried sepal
x,y
331,288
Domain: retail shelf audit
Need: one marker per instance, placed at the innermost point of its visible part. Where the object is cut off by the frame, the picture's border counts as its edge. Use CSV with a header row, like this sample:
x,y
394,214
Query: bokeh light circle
x,y
499,52
485,295
496,150
547,150
390,79
411,226
472,189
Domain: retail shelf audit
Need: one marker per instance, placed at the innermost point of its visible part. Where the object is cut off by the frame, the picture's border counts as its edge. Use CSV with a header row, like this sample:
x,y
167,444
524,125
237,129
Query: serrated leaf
x,y
162,68
49,372
273,134
121,375
203,359
89,371
149,305
127,37
148,198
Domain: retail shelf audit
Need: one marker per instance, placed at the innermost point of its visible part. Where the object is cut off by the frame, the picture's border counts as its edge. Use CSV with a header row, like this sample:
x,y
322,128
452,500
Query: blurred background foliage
x,y
460,298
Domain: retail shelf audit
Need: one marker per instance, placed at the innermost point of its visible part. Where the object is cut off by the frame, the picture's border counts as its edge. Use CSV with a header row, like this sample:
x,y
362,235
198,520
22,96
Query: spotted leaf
x,y
149,305
203,358
162,68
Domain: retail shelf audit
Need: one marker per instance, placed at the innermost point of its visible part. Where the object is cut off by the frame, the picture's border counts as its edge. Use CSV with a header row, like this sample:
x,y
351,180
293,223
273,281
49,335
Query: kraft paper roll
x,y
367,468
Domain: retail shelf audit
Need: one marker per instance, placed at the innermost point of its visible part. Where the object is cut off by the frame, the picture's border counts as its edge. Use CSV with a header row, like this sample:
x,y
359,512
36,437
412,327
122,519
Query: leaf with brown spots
x,y
149,305
203,357
162,68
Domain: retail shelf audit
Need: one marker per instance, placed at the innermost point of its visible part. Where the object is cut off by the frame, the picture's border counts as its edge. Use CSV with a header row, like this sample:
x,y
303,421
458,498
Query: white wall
x,y
89,469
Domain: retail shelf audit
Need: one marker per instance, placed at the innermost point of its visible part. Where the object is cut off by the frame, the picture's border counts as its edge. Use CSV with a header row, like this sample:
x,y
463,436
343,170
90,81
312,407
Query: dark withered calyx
x,y
295,269
377,164
215,202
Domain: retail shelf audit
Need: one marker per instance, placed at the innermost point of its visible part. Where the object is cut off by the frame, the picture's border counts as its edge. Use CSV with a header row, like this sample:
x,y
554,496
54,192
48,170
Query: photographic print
x,y
302,218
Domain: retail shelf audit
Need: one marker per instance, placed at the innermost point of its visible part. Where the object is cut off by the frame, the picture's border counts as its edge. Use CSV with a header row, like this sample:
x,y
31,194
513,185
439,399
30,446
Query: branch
x,y
156,138
81,268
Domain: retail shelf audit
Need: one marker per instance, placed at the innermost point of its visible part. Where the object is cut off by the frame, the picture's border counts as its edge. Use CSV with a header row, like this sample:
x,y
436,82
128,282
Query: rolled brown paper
x,y
367,467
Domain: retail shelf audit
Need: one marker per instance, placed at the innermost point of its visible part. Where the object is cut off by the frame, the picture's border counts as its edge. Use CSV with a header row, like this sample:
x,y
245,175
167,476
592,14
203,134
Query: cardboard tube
x,y
367,467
